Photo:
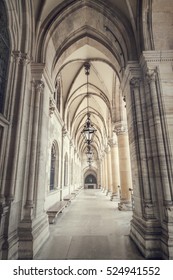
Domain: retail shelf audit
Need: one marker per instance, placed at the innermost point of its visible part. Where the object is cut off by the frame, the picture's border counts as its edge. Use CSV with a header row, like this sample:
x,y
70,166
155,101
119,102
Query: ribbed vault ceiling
x,y
68,64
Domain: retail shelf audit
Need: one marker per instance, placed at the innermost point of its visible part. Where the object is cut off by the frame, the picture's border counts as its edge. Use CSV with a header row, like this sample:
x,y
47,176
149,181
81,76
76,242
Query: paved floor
x,y
90,228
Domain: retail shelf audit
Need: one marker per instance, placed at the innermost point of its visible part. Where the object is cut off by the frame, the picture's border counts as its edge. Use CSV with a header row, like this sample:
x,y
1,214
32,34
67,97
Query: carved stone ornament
x,y
64,131
51,107
151,75
135,82
112,142
39,85
21,58
121,130
169,213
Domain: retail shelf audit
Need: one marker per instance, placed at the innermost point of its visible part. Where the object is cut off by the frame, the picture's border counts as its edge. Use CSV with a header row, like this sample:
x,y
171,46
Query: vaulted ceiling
x,y
68,60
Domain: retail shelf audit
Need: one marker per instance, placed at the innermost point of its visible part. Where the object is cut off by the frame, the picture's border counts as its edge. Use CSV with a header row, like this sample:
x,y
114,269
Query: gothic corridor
x,y
86,129
99,231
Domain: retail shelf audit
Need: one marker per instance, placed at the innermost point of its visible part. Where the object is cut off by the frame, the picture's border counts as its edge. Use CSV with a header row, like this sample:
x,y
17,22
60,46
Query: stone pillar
x,y
99,162
157,110
105,173
115,169
102,173
109,170
146,122
6,133
37,91
125,168
34,228
142,135
162,162
15,152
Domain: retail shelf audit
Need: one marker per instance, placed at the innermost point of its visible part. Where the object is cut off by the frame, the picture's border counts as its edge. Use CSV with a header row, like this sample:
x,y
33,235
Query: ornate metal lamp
x,y
88,130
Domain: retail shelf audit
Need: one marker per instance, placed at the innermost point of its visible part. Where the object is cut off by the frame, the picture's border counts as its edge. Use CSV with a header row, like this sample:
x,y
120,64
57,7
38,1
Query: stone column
x,y
37,89
142,136
109,170
115,169
13,168
125,168
145,225
99,182
16,61
34,228
162,162
21,60
102,173
105,173
160,145
26,239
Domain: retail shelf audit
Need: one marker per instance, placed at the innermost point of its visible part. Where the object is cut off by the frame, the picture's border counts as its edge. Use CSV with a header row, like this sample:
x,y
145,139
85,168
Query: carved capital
x,y
112,142
21,58
38,85
135,82
64,131
51,107
169,213
151,75
122,129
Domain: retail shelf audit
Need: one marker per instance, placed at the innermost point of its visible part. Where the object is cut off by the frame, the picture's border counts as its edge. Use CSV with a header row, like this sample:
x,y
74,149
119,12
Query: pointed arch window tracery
x,y
54,170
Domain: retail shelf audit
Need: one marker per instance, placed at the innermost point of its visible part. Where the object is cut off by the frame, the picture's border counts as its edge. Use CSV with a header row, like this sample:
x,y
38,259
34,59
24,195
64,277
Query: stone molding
x,y
132,70
156,56
37,70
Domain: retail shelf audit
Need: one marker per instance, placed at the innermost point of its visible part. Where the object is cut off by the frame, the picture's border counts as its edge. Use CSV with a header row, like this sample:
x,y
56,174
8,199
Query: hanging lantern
x,y
88,130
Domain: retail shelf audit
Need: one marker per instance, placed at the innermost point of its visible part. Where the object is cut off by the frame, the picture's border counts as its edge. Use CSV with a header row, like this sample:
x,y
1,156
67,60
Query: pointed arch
x,y
54,167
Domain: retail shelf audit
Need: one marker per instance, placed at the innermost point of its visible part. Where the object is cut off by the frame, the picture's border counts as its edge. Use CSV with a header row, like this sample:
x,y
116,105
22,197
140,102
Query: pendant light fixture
x,y
88,130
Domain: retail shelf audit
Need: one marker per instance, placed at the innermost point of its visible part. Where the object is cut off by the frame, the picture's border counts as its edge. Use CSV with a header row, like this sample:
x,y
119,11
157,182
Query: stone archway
x,y
90,179
90,182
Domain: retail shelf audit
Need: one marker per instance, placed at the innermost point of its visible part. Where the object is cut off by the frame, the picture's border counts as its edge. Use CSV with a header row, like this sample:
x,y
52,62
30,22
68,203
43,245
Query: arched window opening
x,y
4,53
52,168
66,170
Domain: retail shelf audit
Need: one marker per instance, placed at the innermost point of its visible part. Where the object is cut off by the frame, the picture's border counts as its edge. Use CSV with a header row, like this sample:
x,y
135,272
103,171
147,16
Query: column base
x,y
107,192
114,197
146,235
9,233
4,212
32,235
167,234
125,206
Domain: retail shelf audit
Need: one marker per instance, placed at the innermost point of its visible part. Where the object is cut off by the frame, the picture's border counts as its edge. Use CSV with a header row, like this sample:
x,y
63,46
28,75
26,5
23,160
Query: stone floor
x,y
92,227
